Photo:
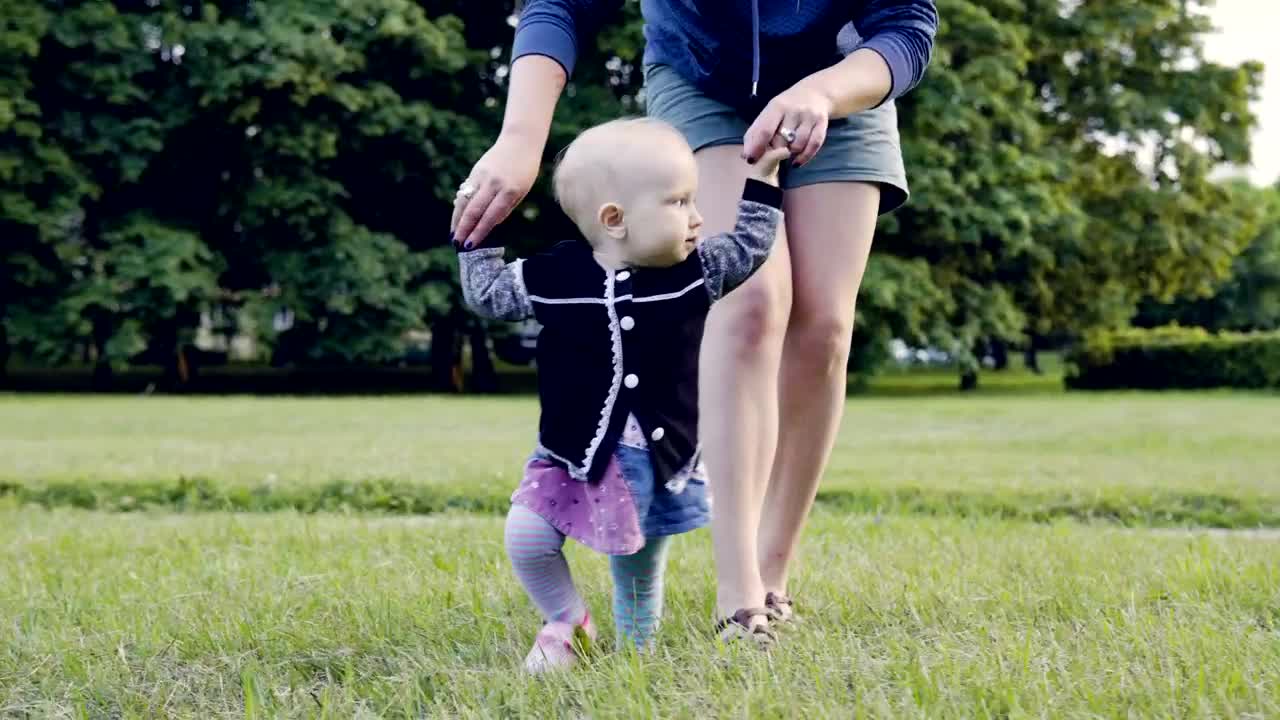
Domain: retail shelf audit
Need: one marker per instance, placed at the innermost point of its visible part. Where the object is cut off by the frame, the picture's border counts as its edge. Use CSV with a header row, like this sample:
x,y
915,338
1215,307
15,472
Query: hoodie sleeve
x,y
902,32
556,28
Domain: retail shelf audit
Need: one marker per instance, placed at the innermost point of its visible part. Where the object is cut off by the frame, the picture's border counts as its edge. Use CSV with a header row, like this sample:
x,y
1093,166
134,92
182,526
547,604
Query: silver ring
x,y
467,190
787,134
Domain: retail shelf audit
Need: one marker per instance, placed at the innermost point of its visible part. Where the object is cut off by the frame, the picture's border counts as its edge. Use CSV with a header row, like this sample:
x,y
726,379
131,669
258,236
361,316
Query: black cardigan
x,y
615,342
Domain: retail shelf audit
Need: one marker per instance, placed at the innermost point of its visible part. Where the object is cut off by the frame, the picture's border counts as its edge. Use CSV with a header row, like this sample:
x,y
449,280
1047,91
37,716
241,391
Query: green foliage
x,y
297,159
39,184
261,157
335,116
111,262
140,274
1060,160
1176,357
1249,298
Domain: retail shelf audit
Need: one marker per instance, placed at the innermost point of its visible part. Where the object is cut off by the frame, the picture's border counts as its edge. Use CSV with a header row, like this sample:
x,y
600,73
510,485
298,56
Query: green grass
x,y
282,615
927,602
1208,459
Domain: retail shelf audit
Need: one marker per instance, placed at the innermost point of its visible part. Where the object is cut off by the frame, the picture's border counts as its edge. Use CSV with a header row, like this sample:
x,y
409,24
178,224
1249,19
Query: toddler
x,y
622,310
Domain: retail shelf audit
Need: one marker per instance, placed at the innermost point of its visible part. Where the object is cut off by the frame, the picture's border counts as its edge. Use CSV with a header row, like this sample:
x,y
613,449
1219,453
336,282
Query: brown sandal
x,y
780,607
738,627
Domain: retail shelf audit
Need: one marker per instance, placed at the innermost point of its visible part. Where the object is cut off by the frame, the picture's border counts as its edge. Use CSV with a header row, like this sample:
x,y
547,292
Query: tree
x,y
105,86
276,157
1144,120
1249,298
295,162
331,143
985,183
1061,155
39,186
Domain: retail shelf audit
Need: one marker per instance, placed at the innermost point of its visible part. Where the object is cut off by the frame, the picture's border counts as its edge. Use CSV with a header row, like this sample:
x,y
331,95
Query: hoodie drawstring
x,y
755,46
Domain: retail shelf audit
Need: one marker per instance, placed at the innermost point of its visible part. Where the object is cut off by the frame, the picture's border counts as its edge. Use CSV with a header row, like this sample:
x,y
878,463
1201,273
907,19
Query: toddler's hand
x,y
766,168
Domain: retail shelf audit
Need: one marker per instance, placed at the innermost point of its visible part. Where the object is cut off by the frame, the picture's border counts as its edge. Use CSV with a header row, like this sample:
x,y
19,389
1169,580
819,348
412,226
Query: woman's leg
x,y
637,591
830,227
739,388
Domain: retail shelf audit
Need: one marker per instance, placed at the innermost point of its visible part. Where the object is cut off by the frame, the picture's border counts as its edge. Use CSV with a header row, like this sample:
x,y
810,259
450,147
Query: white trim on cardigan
x,y
606,412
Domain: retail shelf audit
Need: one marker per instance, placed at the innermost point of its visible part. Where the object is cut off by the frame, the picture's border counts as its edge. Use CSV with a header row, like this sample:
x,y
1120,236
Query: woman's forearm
x,y
535,85
505,173
860,81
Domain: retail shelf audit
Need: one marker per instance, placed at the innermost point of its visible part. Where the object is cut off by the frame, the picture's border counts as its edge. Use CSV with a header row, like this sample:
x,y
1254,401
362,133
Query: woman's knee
x,y
820,338
831,226
755,315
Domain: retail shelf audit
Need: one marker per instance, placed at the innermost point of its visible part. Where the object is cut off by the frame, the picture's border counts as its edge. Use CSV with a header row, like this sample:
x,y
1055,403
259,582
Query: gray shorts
x,y
863,147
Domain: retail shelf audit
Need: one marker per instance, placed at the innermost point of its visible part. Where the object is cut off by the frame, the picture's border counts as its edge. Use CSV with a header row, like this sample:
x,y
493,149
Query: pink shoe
x,y
559,645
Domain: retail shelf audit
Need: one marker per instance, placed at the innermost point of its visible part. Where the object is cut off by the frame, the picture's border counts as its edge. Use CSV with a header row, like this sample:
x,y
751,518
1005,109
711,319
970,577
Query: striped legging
x,y
536,552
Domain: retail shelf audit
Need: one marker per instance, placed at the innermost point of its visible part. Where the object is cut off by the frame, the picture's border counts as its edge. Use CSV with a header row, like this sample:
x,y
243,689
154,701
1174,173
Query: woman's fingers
x,y
800,116
802,132
794,131
500,206
466,193
475,209
498,182
816,135
761,133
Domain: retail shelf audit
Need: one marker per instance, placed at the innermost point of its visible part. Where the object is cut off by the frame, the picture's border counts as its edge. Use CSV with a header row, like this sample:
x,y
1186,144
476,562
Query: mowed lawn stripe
x,y
1175,459
286,615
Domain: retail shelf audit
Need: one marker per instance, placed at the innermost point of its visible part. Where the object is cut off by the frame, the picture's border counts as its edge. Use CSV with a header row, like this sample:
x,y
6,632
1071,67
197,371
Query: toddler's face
x,y
662,222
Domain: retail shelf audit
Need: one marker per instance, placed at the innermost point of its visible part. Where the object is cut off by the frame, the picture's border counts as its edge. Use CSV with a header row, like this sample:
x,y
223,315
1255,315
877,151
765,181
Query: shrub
x,y
1175,357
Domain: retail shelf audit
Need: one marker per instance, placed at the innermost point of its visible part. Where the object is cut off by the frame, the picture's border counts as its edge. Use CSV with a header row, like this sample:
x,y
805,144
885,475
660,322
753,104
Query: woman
x,y
821,75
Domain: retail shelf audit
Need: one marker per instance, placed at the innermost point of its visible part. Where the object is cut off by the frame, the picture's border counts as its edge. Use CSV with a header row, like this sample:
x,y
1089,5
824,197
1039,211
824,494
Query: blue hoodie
x,y
745,52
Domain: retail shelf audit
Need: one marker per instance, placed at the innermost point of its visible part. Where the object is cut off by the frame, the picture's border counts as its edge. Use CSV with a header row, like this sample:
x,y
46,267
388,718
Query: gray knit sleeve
x,y
493,288
728,259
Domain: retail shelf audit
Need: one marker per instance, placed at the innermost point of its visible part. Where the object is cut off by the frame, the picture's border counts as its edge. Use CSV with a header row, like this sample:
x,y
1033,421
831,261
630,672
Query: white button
x,y
658,434
623,276
628,322
631,381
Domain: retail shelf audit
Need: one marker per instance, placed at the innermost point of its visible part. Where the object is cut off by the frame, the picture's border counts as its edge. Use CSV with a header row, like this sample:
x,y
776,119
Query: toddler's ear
x,y
613,220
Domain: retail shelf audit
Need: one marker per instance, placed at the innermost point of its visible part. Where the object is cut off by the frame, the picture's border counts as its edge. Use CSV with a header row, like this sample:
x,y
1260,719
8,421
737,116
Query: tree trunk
x,y
1030,357
970,367
171,343
445,368
484,378
164,348
180,368
999,353
4,355
102,374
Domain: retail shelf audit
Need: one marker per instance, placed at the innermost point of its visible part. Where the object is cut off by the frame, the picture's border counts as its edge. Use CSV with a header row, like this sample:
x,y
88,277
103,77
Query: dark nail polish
x,y
469,245
751,161
453,240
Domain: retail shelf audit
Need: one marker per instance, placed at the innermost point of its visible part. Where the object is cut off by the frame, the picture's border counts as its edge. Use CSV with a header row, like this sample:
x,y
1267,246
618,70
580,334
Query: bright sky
x,y
1247,30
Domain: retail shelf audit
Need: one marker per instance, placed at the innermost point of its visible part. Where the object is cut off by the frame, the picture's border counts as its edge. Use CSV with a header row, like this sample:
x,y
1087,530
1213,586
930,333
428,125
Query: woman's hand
x,y
497,183
799,116
504,175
